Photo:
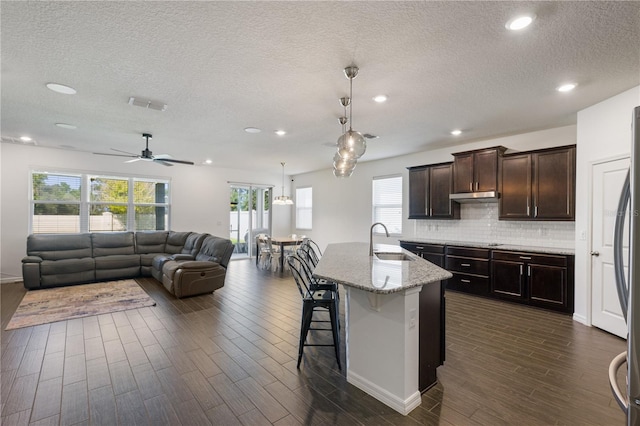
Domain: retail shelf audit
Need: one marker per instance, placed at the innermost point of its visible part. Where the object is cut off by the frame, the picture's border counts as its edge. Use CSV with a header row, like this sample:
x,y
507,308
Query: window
x,y
387,203
304,207
68,203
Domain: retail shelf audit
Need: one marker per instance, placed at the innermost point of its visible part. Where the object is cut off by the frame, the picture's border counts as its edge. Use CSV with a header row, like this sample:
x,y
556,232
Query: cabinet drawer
x,y
543,259
468,284
425,248
468,252
467,265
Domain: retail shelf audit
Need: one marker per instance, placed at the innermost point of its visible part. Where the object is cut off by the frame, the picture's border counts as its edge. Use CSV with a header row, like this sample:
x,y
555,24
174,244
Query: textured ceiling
x,y
224,66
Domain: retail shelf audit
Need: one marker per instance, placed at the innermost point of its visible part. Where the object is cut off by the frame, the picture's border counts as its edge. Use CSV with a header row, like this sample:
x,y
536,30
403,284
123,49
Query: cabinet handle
x,y
527,207
535,211
471,186
465,281
521,270
525,257
465,264
419,248
477,186
430,211
528,271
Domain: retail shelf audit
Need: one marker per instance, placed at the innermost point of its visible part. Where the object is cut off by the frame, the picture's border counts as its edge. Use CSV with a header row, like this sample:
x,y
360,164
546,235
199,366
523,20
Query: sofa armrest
x,y
31,272
198,264
182,257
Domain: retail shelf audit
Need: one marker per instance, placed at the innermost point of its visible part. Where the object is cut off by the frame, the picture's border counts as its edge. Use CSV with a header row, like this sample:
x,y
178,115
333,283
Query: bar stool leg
x,y
307,313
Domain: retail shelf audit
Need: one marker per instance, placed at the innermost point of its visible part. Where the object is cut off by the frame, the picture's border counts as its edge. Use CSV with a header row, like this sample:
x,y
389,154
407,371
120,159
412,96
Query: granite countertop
x,y
349,264
494,246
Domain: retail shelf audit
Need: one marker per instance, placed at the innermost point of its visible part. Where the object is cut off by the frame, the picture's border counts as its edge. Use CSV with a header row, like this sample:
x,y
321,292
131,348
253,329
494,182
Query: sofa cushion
x,y
215,249
113,243
117,266
193,244
59,246
67,271
151,241
176,241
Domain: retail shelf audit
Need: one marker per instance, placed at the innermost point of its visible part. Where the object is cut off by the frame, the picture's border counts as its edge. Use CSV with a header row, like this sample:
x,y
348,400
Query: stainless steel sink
x,y
392,256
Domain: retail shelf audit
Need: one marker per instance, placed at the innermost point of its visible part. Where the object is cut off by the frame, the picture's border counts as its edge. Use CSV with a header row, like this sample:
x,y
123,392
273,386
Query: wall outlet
x,y
412,318
583,235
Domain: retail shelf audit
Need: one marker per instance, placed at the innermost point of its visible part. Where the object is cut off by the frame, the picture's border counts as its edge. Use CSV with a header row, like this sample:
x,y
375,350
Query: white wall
x,y
603,132
342,207
199,194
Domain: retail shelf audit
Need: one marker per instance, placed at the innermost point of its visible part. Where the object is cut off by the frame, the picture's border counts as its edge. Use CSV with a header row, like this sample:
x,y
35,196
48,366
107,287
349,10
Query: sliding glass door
x,y
249,215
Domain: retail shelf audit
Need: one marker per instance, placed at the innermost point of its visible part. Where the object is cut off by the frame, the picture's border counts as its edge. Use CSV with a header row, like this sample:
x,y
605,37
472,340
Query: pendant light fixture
x,y
351,145
283,199
343,167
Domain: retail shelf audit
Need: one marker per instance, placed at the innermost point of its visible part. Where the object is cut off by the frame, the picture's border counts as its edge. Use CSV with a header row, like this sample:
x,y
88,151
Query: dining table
x,y
282,242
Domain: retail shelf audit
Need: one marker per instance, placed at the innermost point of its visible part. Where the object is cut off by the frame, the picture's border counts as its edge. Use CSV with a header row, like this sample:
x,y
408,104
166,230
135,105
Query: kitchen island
x,y
394,319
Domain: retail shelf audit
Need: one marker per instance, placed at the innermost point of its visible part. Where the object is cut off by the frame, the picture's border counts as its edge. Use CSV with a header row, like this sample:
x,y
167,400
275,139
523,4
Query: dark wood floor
x,y
230,358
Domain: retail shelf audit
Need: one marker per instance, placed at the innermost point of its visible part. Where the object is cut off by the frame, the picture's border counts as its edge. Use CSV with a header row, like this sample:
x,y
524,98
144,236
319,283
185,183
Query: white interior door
x,y
608,178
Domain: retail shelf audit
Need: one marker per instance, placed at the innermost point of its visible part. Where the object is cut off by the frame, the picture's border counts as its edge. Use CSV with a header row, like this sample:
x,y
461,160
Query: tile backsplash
x,y
479,223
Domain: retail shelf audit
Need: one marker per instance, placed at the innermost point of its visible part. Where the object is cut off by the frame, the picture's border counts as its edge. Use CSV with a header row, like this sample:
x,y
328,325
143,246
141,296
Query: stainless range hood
x,y
475,197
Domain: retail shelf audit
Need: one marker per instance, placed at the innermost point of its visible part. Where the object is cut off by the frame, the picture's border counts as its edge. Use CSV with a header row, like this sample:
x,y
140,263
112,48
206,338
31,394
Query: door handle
x,y
595,253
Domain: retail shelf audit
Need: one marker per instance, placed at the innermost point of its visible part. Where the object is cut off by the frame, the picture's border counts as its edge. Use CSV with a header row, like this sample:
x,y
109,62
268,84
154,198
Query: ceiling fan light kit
x,y
351,144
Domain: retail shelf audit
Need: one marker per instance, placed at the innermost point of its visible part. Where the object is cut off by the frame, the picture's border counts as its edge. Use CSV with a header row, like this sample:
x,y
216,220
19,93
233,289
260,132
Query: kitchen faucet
x,y
371,236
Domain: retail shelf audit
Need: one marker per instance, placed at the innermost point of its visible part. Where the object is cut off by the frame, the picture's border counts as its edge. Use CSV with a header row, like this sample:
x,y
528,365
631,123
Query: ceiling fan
x,y
146,155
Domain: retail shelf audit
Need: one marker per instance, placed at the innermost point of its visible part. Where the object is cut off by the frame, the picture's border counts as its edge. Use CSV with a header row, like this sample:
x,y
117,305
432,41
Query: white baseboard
x,y
10,280
402,406
581,319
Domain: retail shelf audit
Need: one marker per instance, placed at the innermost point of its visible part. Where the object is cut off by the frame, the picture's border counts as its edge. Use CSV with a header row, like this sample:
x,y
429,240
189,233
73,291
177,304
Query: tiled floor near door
x,y
229,358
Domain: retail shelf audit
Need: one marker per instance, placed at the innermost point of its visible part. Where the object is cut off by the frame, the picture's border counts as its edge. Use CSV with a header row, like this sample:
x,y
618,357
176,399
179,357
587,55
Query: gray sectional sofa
x,y
186,263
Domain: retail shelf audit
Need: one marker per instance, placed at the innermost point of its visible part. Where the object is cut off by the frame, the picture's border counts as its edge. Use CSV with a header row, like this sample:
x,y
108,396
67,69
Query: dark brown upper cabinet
x,y
476,171
429,189
538,185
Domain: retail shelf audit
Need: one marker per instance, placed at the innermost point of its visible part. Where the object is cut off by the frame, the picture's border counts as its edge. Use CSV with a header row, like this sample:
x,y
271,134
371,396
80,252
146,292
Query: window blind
x,y
304,207
387,202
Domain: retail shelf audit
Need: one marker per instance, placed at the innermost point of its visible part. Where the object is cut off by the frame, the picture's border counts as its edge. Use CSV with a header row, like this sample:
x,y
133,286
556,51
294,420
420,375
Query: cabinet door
x,y
547,286
440,183
554,185
436,259
418,200
508,279
463,173
486,170
515,187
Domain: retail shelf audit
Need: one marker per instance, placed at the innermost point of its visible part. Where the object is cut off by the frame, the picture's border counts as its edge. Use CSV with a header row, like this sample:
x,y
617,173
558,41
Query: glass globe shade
x,y
342,173
343,163
352,145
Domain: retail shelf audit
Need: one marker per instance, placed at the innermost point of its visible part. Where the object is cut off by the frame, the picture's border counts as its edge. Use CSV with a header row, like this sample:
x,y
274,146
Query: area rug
x,y
77,301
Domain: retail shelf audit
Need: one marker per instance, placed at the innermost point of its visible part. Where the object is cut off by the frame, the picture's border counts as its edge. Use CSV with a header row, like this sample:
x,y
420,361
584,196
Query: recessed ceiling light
x,y
566,87
208,161
61,88
252,130
456,132
520,22
380,98
25,138
66,126
280,132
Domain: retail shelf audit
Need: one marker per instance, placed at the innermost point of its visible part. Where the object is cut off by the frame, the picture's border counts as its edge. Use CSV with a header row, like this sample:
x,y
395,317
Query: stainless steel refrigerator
x,y
628,284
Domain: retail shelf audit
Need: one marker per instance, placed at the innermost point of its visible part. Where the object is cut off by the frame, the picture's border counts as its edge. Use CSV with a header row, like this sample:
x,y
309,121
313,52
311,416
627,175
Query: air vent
x,y
147,103
17,141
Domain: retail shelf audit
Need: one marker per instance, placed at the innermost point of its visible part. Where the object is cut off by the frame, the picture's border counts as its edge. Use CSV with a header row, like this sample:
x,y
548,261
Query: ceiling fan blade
x,y
171,160
124,152
116,155
133,161
163,162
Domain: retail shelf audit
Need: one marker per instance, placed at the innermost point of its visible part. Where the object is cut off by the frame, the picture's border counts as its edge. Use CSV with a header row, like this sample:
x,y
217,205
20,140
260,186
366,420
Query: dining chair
x,y
264,253
315,302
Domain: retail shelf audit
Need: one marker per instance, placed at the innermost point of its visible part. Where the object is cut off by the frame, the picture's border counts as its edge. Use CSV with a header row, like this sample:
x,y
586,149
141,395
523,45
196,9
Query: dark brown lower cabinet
x,y
536,279
470,269
431,334
434,253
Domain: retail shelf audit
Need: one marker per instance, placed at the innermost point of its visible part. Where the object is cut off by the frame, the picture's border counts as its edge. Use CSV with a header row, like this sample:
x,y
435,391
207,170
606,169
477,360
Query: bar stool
x,y
315,301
